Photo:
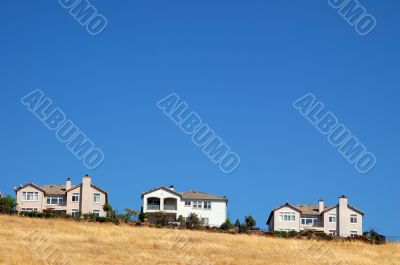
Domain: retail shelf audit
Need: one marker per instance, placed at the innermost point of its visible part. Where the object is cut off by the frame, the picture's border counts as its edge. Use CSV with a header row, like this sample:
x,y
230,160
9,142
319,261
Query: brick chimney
x,y
321,206
68,184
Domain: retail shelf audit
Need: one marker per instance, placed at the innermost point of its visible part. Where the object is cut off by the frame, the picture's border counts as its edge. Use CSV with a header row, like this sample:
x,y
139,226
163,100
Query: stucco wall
x,y
280,225
30,204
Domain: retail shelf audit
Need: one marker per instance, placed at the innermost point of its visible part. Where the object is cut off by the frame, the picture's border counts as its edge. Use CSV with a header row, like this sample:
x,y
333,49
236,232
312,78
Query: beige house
x,y
65,198
340,220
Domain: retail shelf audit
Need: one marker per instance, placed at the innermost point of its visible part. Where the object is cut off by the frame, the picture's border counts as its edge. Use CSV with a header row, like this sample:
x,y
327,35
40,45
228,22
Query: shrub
x,y
243,228
161,219
280,233
193,221
227,225
105,220
7,205
293,233
250,222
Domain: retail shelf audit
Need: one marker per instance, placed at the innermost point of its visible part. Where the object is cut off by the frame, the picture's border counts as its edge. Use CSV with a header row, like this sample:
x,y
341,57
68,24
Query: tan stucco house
x,y
340,220
65,198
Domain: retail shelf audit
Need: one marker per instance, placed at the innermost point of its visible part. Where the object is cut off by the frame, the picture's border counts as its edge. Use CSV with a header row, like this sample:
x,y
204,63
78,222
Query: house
x,y
340,220
211,209
65,198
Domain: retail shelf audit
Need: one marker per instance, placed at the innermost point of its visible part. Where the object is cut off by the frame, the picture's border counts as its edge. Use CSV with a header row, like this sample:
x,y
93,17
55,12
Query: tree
x,y
193,221
130,214
7,205
142,216
250,222
237,223
108,209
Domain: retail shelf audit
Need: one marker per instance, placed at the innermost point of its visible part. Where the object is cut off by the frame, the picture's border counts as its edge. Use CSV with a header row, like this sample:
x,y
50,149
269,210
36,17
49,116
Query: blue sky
x,y
239,65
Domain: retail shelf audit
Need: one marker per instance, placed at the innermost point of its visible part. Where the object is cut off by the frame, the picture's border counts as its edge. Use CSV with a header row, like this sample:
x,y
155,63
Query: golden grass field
x,y
34,241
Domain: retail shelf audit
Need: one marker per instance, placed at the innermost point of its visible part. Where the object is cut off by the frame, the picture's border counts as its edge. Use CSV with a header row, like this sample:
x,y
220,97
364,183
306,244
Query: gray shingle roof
x,y
198,195
311,209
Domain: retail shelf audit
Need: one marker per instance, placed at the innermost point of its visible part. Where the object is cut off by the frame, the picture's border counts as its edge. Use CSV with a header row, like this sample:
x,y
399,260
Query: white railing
x,y
153,207
169,207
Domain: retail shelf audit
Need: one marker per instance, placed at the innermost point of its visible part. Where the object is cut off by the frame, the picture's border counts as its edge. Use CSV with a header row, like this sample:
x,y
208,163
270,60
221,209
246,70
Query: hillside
x,y
34,241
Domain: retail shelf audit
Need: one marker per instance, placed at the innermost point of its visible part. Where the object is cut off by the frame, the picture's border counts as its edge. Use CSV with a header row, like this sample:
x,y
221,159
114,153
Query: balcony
x,y
153,207
170,207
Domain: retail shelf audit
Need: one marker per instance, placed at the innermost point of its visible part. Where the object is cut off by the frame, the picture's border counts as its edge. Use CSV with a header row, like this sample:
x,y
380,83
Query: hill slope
x,y
34,241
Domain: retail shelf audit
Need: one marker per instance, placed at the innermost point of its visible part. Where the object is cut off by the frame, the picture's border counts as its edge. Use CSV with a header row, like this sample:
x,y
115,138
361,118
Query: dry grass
x,y
90,243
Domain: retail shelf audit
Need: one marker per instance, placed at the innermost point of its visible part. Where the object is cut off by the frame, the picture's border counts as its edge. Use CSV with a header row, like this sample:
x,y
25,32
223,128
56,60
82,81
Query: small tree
x,y
250,222
108,209
7,205
130,214
193,221
161,218
237,223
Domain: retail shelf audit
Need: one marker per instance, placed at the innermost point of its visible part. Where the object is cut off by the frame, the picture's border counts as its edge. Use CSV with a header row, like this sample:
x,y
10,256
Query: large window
x,y
207,205
287,216
332,218
309,221
197,204
55,200
353,218
75,197
30,196
188,203
96,198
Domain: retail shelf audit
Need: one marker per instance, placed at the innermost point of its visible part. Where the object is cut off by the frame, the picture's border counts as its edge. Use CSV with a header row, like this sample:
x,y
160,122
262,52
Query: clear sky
x,y
239,65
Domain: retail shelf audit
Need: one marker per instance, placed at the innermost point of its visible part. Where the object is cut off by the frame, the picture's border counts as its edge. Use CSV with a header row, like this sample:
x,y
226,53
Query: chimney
x,y
68,184
321,206
86,195
86,181
172,188
343,216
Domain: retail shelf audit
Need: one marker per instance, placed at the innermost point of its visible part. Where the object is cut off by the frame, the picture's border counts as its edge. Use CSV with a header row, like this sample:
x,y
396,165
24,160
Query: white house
x,y
211,209
339,220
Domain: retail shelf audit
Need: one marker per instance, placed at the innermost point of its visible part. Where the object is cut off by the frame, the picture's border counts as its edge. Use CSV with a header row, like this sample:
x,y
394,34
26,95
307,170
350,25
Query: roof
x,y
58,189
198,195
312,209
190,195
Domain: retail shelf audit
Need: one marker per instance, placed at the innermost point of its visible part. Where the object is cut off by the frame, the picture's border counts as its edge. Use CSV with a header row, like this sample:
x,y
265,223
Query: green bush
x,y
7,205
193,221
227,225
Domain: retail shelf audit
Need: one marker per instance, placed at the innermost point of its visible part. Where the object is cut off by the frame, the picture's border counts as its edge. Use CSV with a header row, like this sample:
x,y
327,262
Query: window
x,y
30,196
353,233
197,204
75,213
207,205
287,217
188,203
29,209
353,218
332,232
96,197
96,213
205,221
75,197
309,221
332,218
55,200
